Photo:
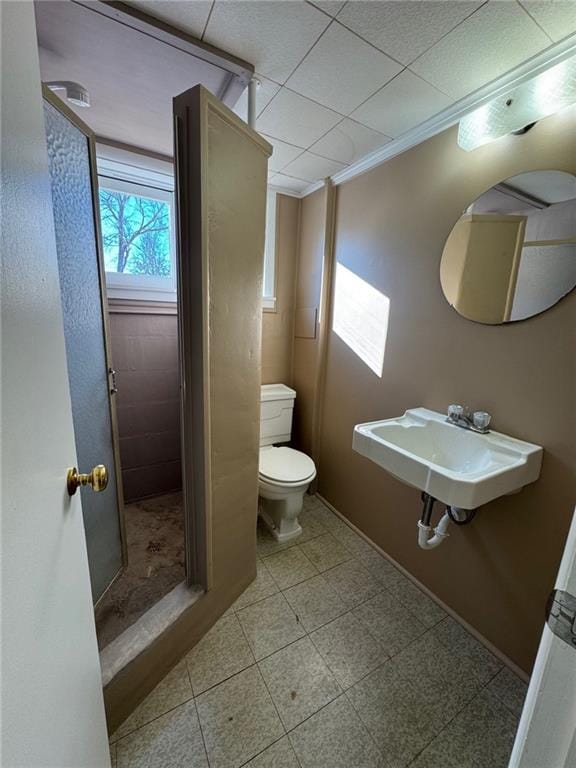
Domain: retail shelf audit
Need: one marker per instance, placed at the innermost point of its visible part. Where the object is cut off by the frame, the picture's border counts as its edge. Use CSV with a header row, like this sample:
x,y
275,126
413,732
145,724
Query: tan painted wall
x,y
307,303
390,230
278,326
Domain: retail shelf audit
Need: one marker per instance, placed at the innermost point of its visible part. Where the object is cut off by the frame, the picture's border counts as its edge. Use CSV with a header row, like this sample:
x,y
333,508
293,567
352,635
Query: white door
x,y
52,702
546,735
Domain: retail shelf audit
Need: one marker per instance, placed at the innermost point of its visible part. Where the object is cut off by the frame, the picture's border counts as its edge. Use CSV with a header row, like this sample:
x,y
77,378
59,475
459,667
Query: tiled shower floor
x,y
155,539
330,659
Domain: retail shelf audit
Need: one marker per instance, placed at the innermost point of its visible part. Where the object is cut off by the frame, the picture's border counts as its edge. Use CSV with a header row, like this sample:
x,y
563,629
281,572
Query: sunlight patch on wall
x,y
361,317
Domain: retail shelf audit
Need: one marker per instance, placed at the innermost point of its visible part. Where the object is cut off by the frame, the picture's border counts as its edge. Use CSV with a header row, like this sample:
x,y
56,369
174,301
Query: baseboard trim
x,y
450,611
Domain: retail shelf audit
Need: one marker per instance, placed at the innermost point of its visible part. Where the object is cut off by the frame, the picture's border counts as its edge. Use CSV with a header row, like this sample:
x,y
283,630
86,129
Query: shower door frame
x,y
87,132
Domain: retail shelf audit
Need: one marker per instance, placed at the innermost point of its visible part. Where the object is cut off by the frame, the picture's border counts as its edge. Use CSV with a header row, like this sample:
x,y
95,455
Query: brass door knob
x,y
98,479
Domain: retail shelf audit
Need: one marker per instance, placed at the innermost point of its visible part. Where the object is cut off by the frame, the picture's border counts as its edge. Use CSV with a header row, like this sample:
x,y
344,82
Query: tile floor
x,y
330,659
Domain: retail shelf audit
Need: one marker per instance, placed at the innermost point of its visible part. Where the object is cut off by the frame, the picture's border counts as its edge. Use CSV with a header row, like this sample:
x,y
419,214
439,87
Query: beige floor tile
x,y
396,715
266,544
311,525
325,552
170,741
270,625
510,689
315,602
461,643
299,682
221,653
353,583
113,756
482,736
423,607
328,519
335,738
348,650
262,586
381,568
238,719
279,755
310,501
290,567
446,681
388,621
173,690
349,538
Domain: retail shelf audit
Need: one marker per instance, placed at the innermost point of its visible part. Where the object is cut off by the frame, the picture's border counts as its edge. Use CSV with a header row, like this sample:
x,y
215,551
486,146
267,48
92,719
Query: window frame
x,y
153,185
269,276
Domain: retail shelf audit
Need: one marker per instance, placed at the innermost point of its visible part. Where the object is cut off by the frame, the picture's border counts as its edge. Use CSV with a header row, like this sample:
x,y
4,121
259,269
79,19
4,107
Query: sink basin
x,y
457,466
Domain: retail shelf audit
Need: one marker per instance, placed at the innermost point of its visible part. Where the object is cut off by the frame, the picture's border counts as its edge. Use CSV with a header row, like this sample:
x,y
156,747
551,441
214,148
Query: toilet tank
x,y
276,407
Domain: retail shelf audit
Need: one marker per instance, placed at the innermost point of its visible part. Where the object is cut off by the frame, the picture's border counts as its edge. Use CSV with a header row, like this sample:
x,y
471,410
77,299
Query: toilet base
x,y
280,515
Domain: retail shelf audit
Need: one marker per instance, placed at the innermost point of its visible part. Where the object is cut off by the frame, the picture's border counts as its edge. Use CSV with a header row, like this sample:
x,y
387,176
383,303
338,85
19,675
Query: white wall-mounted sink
x,y
457,466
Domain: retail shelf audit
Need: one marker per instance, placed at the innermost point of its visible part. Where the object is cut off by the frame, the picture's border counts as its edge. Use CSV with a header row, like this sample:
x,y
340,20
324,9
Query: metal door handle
x,y
97,479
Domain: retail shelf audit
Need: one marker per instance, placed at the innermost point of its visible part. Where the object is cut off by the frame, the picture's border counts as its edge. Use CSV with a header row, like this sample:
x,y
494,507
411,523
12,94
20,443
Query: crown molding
x,y
284,191
315,187
450,116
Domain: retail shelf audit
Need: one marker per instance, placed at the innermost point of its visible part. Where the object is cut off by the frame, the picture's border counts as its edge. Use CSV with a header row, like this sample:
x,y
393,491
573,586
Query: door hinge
x,y
561,616
113,388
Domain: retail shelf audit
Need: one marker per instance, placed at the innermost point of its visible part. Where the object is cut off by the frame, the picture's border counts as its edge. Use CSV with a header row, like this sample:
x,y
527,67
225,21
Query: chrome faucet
x,y
461,417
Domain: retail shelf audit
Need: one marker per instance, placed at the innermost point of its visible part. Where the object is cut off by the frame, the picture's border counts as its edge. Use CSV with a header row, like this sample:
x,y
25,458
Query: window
x,y
137,221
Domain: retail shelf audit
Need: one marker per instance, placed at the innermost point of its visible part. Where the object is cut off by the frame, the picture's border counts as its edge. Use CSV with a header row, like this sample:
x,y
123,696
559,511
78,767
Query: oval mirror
x,y
512,253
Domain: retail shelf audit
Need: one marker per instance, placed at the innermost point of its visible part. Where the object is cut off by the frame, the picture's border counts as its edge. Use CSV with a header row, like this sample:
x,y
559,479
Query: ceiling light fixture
x,y
515,111
74,92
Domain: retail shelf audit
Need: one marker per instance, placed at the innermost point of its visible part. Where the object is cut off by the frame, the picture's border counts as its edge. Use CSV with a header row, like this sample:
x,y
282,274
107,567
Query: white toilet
x,y
285,474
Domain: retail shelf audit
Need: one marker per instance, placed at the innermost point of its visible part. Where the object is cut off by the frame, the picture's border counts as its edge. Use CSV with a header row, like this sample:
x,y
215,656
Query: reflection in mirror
x,y
512,253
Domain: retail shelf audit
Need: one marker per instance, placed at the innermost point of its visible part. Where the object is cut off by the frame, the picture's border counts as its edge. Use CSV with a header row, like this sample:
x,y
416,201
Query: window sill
x,y
117,305
141,306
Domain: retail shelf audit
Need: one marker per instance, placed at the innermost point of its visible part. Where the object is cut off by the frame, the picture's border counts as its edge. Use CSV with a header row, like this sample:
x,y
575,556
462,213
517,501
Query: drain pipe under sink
x,y
452,514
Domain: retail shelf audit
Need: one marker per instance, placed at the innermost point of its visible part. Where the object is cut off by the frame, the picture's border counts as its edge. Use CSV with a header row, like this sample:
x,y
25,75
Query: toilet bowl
x,y
284,473
284,477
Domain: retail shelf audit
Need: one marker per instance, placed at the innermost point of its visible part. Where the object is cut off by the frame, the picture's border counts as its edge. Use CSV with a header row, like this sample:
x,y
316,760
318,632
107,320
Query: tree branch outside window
x,y
137,230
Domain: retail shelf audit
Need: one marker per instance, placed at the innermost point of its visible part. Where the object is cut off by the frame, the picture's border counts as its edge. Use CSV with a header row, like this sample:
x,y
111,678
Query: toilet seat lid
x,y
285,465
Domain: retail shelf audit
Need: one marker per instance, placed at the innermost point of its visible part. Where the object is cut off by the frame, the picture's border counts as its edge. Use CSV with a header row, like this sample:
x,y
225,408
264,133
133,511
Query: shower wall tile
x,y
145,356
144,482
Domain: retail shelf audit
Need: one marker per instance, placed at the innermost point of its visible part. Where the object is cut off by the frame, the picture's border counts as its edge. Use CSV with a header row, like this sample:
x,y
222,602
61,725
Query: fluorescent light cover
x,y
545,94
361,317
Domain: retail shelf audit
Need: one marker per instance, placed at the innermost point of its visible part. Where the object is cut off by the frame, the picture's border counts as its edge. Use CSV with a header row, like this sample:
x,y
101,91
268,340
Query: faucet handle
x,y
455,412
481,420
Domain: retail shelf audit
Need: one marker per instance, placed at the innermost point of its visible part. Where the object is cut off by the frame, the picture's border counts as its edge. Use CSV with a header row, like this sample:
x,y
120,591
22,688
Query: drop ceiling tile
x,y
496,38
342,70
288,182
273,36
556,17
405,29
402,104
311,167
348,142
189,17
264,93
282,153
329,6
296,120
